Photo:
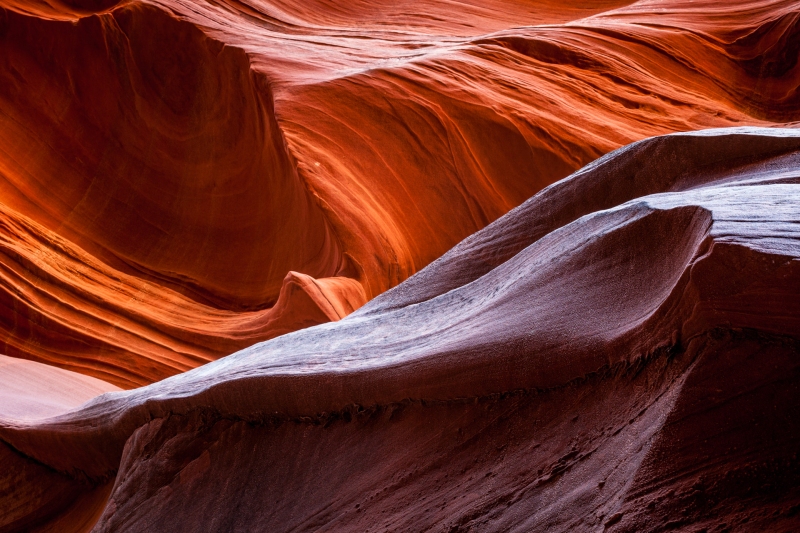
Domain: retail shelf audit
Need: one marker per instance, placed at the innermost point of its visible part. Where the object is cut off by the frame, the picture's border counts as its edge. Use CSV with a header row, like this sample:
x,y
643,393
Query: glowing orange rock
x,y
619,351
164,165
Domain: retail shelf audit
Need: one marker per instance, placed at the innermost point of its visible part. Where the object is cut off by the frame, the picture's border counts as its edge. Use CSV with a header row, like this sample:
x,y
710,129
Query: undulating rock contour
x,y
180,179
619,353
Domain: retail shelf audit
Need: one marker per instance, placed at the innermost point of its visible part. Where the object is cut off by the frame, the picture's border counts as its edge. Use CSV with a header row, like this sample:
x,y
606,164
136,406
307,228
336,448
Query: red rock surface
x,y
182,179
619,353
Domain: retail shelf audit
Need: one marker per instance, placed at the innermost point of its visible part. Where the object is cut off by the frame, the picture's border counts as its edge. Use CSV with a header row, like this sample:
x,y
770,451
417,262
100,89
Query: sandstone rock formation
x,y
618,353
181,179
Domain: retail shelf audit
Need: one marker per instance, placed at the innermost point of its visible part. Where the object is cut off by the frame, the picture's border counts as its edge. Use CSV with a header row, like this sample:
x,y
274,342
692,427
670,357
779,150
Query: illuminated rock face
x,y
362,201
180,180
620,352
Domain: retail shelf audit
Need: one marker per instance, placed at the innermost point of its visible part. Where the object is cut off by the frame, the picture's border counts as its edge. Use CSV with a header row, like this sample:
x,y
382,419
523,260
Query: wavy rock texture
x,y
180,180
619,353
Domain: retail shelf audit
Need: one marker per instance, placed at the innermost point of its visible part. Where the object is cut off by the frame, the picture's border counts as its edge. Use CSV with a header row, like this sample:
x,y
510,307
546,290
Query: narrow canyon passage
x,y
180,180
399,266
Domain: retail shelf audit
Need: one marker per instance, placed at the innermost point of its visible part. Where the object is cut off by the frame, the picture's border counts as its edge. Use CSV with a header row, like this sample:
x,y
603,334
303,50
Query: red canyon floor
x,y
495,348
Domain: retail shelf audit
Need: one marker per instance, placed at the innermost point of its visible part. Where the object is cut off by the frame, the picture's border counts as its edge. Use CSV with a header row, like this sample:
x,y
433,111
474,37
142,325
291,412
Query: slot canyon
x,y
399,265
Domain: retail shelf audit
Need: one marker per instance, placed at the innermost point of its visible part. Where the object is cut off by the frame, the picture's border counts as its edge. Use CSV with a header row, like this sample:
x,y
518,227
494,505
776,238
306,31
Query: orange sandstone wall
x,y
179,180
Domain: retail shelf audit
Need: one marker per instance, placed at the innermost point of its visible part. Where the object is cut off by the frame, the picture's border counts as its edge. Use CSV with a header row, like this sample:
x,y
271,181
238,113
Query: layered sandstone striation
x,y
618,353
182,179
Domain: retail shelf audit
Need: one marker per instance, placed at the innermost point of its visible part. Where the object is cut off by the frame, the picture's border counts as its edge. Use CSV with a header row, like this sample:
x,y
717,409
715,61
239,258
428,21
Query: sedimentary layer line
x,y
169,170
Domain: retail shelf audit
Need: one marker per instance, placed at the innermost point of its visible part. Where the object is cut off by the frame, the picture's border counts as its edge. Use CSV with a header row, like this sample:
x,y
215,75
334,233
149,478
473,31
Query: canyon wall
x,y
181,179
618,353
